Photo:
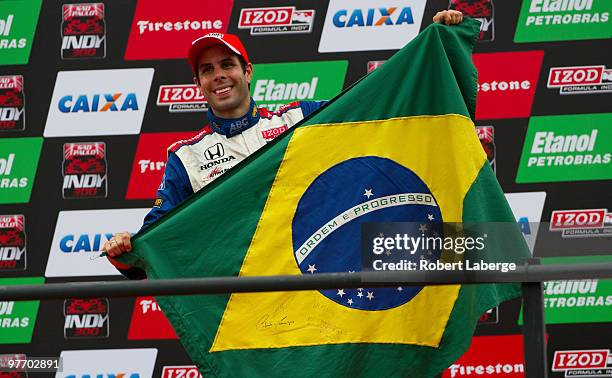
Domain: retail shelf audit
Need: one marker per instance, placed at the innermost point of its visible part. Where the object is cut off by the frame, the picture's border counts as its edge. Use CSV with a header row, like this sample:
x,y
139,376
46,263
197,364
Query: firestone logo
x,y
506,85
162,30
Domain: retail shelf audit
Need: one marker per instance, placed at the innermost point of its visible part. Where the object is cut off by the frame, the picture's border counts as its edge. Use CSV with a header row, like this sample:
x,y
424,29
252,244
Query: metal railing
x,y
530,275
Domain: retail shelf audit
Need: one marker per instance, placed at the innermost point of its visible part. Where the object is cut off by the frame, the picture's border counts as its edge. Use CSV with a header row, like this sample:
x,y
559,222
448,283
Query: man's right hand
x,y
118,244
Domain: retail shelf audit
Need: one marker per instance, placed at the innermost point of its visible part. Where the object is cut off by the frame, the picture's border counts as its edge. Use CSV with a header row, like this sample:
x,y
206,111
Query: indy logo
x,y
582,223
486,135
86,318
12,103
275,20
583,363
181,98
83,31
374,64
490,317
84,170
580,79
481,10
12,242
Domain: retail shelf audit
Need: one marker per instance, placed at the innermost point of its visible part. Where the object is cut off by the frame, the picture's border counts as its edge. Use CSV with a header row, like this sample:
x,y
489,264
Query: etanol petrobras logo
x,y
582,223
567,148
275,20
556,20
12,103
481,10
323,225
276,84
18,162
17,318
578,301
86,318
181,98
583,363
18,19
12,242
362,25
83,31
580,79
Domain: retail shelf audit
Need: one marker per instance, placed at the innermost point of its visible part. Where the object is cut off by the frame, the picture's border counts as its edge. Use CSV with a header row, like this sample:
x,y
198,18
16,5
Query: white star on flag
x,y
360,294
399,288
350,301
368,193
370,295
341,292
422,228
430,217
312,268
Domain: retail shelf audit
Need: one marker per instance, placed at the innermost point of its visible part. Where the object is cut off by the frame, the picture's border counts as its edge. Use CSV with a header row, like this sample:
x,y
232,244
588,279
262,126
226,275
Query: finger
x,y
124,242
437,17
447,19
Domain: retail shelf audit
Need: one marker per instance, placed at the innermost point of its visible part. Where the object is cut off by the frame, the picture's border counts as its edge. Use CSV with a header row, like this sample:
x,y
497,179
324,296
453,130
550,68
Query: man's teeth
x,y
222,90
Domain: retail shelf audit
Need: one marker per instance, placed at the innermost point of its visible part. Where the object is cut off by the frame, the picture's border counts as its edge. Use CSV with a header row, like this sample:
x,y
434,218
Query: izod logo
x,y
592,360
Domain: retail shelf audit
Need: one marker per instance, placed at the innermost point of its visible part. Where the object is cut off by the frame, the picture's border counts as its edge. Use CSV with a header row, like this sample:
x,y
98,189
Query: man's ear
x,y
248,72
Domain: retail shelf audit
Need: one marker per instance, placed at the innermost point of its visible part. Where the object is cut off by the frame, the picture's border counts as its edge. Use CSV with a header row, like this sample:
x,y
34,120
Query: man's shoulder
x,y
266,113
207,130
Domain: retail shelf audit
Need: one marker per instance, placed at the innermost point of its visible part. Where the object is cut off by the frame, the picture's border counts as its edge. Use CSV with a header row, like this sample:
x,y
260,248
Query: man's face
x,y
223,82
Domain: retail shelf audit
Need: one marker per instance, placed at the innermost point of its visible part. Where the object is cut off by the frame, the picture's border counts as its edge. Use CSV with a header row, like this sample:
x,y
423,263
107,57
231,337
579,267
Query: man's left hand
x,y
448,17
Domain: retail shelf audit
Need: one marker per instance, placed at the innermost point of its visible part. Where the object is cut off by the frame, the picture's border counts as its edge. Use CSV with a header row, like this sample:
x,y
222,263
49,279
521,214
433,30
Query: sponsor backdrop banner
x,y
92,94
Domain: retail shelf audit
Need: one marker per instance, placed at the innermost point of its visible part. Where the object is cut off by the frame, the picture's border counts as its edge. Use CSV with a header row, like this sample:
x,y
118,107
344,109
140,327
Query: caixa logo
x,y
83,243
114,102
373,17
585,363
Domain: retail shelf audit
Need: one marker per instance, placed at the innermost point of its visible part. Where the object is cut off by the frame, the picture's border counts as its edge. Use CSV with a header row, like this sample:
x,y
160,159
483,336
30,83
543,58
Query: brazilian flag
x,y
405,128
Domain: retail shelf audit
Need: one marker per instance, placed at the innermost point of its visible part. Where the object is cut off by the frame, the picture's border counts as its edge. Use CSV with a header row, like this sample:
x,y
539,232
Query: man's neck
x,y
234,125
236,112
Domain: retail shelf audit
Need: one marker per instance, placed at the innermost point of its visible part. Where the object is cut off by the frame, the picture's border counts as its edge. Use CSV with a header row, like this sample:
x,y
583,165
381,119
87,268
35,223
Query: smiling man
x,y
223,72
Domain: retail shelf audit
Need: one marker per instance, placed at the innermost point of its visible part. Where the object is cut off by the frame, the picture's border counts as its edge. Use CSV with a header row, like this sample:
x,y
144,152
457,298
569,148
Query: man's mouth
x,y
222,91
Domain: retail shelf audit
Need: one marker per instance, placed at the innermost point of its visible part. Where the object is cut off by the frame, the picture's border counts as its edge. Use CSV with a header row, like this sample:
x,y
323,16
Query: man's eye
x,y
206,69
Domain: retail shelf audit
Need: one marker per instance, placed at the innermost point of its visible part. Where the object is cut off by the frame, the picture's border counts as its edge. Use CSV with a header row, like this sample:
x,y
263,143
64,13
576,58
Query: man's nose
x,y
218,73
